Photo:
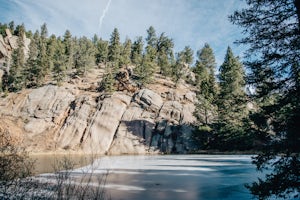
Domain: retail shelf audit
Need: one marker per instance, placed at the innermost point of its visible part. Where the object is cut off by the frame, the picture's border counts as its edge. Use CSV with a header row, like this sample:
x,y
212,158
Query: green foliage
x,y
84,55
69,50
165,55
151,48
59,62
42,68
11,26
206,59
228,137
183,60
125,53
137,51
114,48
206,108
108,82
32,67
202,135
145,71
16,77
2,29
151,38
15,166
271,31
101,51
232,97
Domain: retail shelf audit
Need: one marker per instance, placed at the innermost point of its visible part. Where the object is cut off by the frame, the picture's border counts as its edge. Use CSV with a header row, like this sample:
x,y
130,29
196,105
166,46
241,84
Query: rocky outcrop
x,y
9,43
68,118
149,100
100,134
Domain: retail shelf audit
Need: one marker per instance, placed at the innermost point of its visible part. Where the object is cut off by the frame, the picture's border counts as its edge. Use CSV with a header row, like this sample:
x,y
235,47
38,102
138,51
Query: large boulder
x,y
71,133
149,100
3,50
171,110
104,124
135,132
49,103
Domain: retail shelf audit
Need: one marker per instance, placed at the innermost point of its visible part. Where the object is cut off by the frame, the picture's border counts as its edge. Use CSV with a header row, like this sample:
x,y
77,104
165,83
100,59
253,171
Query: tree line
x,y
221,109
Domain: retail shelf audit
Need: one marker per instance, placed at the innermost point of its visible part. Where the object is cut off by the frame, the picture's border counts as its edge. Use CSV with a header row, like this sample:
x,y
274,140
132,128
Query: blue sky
x,y
188,22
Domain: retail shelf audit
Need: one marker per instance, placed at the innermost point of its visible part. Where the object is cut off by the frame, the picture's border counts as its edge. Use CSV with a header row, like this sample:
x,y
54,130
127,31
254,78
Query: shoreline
x,y
202,152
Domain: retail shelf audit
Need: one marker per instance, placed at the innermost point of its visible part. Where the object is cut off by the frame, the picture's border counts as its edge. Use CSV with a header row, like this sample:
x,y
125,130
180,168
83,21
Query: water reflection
x,y
47,163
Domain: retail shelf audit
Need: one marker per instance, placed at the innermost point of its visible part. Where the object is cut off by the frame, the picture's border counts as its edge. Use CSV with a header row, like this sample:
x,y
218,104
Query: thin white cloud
x,y
103,15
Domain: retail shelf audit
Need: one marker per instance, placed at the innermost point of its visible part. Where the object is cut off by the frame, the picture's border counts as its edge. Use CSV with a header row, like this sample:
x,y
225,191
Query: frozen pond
x,y
175,176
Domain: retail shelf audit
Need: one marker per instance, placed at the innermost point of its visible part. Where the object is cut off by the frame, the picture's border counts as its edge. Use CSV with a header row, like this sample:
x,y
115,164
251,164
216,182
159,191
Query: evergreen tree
x,y
2,29
42,59
137,51
108,82
69,50
271,30
16,77
125,53
145,71
51,48
32,67
84,56
101,52
11,26
207,86
59,62
232,94
183,61
231,127
151,48
114,48
165,55
95,39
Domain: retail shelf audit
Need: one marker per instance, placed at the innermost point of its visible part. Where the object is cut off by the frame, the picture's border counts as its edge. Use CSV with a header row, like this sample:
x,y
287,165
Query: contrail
x,y
103,15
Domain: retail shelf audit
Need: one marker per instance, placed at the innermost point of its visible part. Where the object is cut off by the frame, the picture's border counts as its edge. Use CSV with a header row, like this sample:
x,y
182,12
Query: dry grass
x,y
17,182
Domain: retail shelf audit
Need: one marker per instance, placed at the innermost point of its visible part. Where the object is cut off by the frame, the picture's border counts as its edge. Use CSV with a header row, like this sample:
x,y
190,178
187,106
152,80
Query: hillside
x,y
75,118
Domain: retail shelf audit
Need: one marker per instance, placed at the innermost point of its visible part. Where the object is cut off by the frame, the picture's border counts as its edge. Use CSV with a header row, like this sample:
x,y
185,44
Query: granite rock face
x,y
56,118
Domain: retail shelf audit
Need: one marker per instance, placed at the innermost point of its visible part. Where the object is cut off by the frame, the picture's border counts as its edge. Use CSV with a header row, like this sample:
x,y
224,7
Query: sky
x,y
188,22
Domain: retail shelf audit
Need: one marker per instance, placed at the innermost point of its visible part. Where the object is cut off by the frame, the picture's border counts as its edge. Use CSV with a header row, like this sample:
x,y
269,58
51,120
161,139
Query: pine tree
x,y
84,56
151,48
206,109
206,59
11,26
137,51
95,39
125,53
114,48
183,61
43,60
51,48
145,71
232,94
231,127
2,29
59,62
32,67
165,55
16,77
108,82
271,33
69,50
101,52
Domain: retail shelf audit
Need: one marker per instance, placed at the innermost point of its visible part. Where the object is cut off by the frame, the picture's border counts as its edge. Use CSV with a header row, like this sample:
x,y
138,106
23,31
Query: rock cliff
x,y
73,118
